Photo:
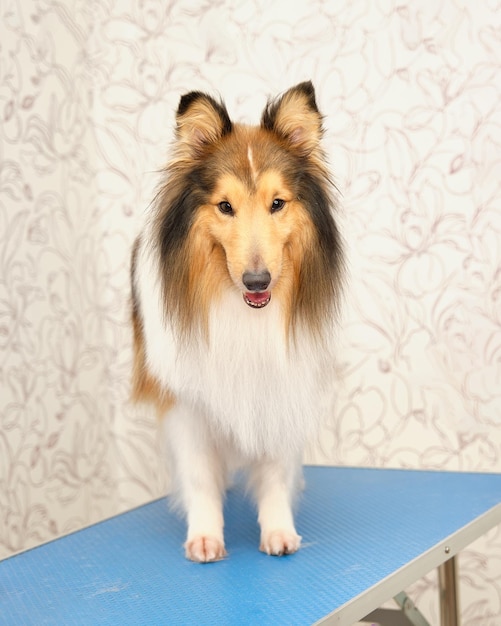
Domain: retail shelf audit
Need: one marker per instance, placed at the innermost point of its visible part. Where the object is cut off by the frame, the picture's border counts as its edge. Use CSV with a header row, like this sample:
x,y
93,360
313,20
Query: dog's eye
x,y
277,204
226,208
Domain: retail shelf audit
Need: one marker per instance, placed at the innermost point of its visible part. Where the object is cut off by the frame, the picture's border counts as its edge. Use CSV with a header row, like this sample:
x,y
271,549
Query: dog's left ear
x,y
295,117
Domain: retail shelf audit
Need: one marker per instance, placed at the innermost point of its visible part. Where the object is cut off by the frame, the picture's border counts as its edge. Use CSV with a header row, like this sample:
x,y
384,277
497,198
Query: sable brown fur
x,y
209,148
145,388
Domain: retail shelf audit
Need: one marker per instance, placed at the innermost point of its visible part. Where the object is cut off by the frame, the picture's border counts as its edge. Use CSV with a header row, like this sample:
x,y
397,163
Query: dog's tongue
x,y
257,299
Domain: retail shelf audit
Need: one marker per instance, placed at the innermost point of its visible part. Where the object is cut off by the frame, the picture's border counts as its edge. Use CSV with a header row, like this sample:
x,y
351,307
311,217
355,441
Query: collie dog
x,y
235,284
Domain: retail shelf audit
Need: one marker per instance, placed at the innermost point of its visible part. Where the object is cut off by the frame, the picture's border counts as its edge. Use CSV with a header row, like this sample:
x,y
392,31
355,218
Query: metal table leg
x,y
447,580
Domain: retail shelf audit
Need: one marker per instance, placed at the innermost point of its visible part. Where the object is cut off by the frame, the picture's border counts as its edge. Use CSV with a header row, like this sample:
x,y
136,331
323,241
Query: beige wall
x,y
413,131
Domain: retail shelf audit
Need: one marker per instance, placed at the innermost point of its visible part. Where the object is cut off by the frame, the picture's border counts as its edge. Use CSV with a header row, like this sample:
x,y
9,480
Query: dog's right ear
x,y
201,120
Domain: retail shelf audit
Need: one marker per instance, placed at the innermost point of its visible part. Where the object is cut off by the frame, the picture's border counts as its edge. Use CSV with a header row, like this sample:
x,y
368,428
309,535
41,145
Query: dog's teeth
x,y
256,305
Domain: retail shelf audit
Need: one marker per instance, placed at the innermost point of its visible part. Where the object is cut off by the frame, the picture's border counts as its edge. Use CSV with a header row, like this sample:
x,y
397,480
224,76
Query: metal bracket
x,y
410,610
408,616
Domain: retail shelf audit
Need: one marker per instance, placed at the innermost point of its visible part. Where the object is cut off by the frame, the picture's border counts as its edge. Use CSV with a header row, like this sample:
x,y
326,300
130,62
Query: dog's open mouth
x,y
257,299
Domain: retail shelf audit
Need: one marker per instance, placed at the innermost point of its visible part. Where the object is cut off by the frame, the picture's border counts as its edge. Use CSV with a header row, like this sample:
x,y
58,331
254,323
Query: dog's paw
x,y
279,542
204,549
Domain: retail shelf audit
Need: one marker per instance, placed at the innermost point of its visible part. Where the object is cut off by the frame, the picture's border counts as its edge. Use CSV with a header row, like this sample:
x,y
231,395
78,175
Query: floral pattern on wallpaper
x,y
54,440
411,97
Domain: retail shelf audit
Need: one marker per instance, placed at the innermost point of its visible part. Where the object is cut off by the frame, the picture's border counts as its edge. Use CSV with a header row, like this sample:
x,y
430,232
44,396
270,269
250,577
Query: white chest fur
x,y
259,392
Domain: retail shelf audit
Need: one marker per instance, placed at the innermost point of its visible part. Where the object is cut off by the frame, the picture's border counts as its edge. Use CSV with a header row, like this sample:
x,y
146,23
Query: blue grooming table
x,y
367,534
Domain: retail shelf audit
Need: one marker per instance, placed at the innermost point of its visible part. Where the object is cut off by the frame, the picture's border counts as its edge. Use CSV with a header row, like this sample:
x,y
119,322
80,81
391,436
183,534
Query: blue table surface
x,y
358,527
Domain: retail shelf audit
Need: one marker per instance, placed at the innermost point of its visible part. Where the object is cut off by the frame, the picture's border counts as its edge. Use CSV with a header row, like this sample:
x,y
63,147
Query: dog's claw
x,y
280,542
204,549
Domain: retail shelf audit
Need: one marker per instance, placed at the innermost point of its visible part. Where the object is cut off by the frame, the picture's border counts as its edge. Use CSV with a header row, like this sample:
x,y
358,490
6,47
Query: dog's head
x,y
249,208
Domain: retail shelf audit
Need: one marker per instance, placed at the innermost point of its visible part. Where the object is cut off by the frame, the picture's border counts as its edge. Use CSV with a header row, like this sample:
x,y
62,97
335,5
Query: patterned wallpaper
x,y
411,95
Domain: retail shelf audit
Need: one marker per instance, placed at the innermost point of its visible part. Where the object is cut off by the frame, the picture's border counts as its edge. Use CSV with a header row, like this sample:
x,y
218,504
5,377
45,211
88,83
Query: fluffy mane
x,y
209,146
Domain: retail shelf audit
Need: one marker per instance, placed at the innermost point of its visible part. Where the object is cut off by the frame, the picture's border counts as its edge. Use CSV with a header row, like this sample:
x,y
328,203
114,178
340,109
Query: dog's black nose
x,y
256,282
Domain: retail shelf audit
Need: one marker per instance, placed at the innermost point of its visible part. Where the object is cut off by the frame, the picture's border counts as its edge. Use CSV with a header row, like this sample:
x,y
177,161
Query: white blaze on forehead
x,y
251,163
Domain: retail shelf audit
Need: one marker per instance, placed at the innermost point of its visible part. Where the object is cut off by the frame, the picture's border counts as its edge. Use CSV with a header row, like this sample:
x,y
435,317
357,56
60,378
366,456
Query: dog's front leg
x,y
199,478
275,484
